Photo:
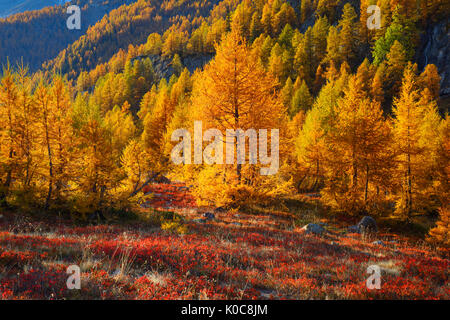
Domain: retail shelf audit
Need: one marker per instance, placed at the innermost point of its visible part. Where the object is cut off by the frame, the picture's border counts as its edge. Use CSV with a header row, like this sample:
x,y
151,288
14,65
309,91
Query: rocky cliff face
x,y
435,48
163,65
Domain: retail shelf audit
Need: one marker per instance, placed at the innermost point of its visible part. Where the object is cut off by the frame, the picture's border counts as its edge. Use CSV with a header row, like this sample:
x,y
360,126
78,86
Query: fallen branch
x,y
136,191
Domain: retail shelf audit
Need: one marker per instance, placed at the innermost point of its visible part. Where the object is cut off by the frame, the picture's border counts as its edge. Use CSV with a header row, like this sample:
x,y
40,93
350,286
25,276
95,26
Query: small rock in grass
x,y
209,216
116,272
378,243
313,228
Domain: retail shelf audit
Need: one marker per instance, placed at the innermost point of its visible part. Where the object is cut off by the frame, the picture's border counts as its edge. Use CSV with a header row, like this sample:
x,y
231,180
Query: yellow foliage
x,y
235,92
174,227
441,233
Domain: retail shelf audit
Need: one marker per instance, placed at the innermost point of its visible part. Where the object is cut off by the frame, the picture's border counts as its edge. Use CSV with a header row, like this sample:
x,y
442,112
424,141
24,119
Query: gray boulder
x,y
313,228
209,216
379,243
367,224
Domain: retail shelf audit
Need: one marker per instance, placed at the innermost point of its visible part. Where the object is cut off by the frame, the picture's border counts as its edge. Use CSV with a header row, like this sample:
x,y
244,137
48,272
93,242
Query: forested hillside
x,y
117,31
37,36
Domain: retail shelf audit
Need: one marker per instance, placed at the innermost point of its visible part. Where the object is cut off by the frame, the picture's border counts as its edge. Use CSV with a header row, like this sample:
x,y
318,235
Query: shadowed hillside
x,y
9,7
36,36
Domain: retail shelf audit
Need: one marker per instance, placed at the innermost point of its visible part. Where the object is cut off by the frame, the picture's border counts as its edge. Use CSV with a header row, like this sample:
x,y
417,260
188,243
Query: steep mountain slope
x,y
9,7
36,36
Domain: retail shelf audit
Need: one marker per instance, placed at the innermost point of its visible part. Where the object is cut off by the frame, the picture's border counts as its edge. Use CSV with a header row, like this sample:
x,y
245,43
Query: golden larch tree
x,y
45,121
62,137
354,148
235,92
441,233
415,125
9,99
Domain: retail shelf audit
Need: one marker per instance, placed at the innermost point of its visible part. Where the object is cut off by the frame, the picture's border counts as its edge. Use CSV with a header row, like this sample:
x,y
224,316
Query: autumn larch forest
x,y
339,163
